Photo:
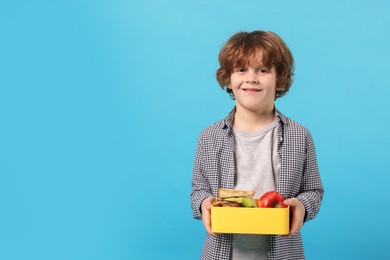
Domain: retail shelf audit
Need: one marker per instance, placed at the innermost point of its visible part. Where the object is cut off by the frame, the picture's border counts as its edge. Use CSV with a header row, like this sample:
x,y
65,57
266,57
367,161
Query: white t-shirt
x,y
257,169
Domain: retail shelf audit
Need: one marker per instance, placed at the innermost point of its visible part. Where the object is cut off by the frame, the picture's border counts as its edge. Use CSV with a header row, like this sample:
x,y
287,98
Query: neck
x,y
251,121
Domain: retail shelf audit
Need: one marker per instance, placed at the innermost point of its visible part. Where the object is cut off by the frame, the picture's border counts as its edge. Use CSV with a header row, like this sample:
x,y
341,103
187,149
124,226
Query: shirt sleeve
x,y
312,189
200,186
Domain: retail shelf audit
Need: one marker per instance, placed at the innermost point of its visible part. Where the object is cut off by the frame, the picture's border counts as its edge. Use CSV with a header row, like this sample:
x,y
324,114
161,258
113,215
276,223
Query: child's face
x,y
254,86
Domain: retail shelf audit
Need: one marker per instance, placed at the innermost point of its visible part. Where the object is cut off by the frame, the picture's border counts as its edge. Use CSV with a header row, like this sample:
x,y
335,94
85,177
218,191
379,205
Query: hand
x,y
298,214
206,214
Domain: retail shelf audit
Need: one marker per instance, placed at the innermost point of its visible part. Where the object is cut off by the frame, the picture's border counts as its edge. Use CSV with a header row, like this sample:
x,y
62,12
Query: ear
x,y
278,88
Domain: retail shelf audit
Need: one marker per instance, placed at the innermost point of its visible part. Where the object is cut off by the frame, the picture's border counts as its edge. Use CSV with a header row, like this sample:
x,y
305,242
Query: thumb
x,y
290,202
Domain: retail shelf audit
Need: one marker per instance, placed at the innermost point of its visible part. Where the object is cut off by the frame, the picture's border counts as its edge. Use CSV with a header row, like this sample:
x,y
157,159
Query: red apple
x,y
271,199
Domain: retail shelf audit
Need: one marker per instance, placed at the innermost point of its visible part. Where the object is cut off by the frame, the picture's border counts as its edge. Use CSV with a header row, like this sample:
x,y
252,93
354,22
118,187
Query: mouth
x,y
251,90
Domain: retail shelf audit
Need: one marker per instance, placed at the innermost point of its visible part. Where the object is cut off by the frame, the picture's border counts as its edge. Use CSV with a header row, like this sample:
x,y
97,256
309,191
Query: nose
x,y
252,77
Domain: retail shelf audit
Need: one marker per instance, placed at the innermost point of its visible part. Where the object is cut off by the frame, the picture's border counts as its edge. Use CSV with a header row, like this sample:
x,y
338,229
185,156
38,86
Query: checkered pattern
x,y
214,168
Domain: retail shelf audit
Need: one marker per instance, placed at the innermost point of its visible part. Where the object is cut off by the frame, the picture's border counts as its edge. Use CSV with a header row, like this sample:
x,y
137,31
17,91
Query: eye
x,y
240,70
263,70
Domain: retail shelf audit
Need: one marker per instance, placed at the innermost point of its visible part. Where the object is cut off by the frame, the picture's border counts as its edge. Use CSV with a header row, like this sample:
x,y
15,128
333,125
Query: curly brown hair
x,y
242,46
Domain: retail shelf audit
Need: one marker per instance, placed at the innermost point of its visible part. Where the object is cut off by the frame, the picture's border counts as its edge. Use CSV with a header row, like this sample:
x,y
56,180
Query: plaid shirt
x,y
214,168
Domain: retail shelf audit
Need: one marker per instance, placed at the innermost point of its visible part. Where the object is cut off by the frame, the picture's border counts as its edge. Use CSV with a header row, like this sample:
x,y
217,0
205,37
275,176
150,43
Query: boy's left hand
x,y
298,214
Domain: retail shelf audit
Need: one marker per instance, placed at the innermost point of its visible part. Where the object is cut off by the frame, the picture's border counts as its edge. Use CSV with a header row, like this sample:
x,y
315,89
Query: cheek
x,y
234,83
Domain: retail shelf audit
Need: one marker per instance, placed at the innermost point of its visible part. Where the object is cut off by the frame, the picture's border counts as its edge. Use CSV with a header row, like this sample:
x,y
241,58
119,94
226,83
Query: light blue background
x,y
101,104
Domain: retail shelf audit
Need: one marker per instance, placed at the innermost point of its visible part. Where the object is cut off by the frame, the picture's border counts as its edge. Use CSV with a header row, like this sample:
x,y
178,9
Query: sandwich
x,y
235,198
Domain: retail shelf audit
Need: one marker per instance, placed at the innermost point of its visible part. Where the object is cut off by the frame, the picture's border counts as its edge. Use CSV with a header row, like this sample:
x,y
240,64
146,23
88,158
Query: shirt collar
x,y
281,117
228,121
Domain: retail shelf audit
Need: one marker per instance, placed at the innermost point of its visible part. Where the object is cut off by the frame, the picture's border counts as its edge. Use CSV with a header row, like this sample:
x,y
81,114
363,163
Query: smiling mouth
x,y
251,90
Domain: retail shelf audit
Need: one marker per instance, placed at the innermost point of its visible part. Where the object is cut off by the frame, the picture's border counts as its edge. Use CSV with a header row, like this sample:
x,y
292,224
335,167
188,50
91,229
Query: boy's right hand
x,y
206,214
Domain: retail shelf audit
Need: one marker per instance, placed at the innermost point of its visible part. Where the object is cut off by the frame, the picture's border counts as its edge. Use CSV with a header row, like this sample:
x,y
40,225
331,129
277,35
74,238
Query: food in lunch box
x,y
271,199
235,198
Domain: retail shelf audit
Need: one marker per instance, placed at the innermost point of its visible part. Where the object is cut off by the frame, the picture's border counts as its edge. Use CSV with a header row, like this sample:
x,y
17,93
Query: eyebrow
x,y
240,65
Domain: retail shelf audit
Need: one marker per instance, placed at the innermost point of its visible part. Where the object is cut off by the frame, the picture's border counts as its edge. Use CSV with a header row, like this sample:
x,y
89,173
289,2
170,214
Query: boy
x,y
256,148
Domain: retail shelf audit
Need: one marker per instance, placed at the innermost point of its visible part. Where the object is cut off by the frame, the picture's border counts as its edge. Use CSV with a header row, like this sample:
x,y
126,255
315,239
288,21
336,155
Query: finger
x,y
206,218
207,225
296,222
294,227
290,202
